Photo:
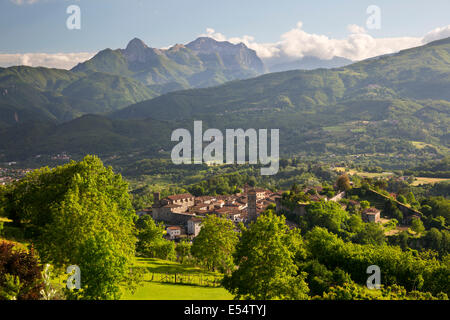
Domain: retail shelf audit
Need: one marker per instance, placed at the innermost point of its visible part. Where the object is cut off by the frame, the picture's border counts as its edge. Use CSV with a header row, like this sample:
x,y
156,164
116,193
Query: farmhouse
x,y
371,215
173,232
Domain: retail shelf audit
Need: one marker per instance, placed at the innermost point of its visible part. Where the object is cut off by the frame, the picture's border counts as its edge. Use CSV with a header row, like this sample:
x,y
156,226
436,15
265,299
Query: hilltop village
x,y
182,214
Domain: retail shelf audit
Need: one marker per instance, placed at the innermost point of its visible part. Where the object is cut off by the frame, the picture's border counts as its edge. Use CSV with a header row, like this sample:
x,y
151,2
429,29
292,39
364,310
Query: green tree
x,y
417,225
348,291
67,209
183,250
371,233
365,204
150,238
265,263
215,243
343,183
151,242
327,214
405,268
102,269
410,198
440,207
355,223
391,209
401,199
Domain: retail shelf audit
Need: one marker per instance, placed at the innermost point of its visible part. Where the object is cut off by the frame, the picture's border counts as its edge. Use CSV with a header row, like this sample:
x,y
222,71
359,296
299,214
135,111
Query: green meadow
x,y
160,290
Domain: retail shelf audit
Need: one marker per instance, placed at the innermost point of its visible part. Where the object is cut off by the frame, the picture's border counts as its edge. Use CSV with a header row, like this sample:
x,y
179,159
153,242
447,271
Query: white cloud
x,y
293,44
437,34
49,60
354,28
358,45
264,50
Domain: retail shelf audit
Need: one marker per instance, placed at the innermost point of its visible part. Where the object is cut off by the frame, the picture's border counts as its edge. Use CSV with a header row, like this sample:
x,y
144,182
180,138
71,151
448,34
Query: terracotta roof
x,y
171,206
371,211
228,211
202,198
180,196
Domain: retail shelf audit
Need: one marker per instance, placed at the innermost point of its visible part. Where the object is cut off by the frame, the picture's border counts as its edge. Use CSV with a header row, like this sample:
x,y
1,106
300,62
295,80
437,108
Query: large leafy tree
x,y
215,243
327,214
265,263
102,268
66,209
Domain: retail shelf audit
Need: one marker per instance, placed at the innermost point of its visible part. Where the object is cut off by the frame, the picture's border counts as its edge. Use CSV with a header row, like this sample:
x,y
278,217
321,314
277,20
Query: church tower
x,y
251,203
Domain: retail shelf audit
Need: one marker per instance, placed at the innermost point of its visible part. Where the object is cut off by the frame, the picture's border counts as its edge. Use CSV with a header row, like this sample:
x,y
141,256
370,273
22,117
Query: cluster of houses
x,y
183,213
9,175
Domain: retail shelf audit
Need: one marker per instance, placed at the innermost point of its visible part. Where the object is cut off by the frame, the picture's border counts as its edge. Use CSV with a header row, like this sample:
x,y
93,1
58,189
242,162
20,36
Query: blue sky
x,y
32,26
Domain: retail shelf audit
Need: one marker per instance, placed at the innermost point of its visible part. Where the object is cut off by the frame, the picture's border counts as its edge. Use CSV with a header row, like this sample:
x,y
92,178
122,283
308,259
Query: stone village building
x,y
187,211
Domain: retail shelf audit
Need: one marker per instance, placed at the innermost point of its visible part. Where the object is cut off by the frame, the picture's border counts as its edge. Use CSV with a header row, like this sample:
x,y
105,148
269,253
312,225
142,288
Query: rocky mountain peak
x,y
136,44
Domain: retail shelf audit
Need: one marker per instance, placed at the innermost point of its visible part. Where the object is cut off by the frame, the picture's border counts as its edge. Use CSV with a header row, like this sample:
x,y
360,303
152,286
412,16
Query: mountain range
x,y
203,62
114,79
418,73
378,106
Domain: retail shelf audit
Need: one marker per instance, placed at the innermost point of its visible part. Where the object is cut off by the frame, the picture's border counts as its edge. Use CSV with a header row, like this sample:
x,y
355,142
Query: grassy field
x,y
151,290
424,180
164,291
363,173
154,290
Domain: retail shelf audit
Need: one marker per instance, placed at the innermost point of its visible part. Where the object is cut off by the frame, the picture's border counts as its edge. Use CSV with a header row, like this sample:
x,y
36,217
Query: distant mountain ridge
x,y
201,63
377,106
308,63
114,79
417,73
42,94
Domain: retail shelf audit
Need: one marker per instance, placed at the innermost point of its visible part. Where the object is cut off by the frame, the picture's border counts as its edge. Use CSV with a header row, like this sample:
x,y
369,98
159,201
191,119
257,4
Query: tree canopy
x,y
265,263
69,211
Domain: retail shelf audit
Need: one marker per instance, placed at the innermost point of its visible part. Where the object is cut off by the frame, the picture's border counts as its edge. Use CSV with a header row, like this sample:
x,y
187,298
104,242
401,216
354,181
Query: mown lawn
x,y
164,266
163,291
149,290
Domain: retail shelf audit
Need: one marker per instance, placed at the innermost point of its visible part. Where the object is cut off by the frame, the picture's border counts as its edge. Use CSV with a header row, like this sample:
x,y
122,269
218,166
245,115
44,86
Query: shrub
x,y
20,273
13,233
160,249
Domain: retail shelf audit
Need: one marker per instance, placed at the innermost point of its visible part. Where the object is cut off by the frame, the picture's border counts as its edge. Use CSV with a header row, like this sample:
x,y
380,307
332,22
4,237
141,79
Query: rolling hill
x,y
418,74
380,107
306,63
42,94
